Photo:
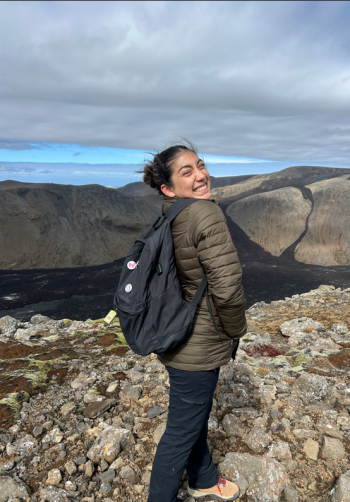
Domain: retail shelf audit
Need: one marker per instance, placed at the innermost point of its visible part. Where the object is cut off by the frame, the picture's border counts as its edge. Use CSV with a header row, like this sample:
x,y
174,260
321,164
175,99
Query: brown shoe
x,y
223,490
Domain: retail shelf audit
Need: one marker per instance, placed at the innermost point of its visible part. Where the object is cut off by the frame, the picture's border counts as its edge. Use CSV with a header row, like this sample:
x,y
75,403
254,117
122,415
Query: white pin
x,y
128,288
131,265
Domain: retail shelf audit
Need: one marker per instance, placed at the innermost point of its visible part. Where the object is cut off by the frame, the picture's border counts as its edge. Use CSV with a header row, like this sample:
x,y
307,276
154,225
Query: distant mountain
x,y
55,226
301,212
140,188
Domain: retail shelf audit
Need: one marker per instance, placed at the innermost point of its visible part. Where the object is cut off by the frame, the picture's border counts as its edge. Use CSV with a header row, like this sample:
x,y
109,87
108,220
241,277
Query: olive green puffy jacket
x,y
203,243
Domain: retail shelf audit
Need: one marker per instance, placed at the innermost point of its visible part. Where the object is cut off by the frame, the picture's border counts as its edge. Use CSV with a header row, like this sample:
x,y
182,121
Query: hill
x,y
301,213
55,226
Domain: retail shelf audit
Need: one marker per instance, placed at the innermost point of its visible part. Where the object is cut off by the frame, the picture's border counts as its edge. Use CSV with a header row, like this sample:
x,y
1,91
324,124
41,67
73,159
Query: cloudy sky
x,y
95,82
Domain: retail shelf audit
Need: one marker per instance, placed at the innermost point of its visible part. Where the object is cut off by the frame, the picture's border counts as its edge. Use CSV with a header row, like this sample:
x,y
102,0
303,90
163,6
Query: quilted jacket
x,y
203,243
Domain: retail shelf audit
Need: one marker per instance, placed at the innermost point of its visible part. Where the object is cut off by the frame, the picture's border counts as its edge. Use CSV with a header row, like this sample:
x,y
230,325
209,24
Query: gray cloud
x,y
16,145
259,79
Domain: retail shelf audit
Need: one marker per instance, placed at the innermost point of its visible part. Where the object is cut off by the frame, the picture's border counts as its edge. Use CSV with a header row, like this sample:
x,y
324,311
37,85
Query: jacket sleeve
x,y
218,257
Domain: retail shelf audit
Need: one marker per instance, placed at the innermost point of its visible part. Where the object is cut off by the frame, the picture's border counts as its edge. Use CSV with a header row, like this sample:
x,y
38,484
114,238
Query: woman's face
x,y
190,178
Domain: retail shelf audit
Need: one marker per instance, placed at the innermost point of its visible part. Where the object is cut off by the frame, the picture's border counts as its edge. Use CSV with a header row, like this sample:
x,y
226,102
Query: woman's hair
x,y
158,171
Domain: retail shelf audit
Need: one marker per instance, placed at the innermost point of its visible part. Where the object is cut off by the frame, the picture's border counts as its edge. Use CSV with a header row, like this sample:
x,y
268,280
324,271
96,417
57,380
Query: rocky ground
x,y
81,415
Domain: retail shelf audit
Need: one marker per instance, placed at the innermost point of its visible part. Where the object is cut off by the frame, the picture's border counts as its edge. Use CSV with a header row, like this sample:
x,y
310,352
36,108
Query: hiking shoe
x,y
221,491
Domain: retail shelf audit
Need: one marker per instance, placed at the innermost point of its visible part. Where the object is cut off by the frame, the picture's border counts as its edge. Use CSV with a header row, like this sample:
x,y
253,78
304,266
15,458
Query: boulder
x,y
109,443
266,477
280,451
10,489
53,494
341,491
257,440
24,447
310,387
93,410
311,449
232,425
333,449
303,324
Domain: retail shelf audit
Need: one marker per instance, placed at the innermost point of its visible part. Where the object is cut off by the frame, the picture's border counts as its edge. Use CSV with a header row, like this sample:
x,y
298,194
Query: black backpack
x,y
153,314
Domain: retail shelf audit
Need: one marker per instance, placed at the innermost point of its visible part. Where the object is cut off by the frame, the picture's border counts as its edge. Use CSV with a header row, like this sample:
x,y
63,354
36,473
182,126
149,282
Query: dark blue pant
x,y
184,442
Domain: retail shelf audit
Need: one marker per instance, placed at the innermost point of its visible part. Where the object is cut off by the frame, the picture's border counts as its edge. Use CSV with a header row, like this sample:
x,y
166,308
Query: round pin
x,y
131,265
128,288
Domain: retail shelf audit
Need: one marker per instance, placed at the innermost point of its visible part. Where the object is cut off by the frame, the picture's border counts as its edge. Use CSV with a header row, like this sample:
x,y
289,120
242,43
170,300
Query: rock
x,y
266,477
129,474
95,409
80,460
311,449
8,325
93,398
38,430
333,449
68,409
112,387
108,475
242,484
24,447
10,488
158,433
27,334
280,451
304,433
105,488
341,491
54,477
53,494
257,440
232,425
344,422
6,438
245,412
327,424
290,494
70,486
155,411
104,465
54,436
289,328
70,467
146,478
109,443
340,328
289,465
310,387
39,319
7,465
132,393
89,469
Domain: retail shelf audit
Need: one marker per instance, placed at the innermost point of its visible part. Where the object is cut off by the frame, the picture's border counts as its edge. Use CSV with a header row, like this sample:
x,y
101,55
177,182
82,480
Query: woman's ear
x,y
168,191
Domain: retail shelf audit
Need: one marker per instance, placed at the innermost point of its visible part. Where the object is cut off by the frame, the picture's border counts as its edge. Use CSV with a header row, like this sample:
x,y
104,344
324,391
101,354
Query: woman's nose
x,y
200,175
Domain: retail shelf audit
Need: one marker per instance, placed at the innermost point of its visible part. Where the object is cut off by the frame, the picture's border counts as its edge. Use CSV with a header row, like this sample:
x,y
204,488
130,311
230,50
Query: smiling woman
x,y
202,245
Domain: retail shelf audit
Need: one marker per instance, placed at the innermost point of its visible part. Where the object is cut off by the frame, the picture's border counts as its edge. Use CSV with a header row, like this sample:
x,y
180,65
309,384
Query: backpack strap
x,y
177,207
197,296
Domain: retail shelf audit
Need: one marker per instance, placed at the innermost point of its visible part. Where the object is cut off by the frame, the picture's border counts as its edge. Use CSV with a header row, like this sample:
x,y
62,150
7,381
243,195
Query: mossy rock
x,y
14,402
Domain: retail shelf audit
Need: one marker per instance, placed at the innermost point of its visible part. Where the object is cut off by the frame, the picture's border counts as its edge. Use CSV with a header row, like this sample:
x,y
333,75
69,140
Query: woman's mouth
x,y
201,188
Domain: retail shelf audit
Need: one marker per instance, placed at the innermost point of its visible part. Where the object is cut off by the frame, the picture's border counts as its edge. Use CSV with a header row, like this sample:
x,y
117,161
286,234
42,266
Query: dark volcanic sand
x,y
63,293
87,292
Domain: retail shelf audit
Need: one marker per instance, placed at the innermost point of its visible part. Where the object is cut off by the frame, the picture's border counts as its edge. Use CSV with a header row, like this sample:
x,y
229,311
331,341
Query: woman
x,y
202,244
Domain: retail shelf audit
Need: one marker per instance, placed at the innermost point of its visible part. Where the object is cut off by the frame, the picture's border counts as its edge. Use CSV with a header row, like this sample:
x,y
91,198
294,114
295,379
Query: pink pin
x,y
131,265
